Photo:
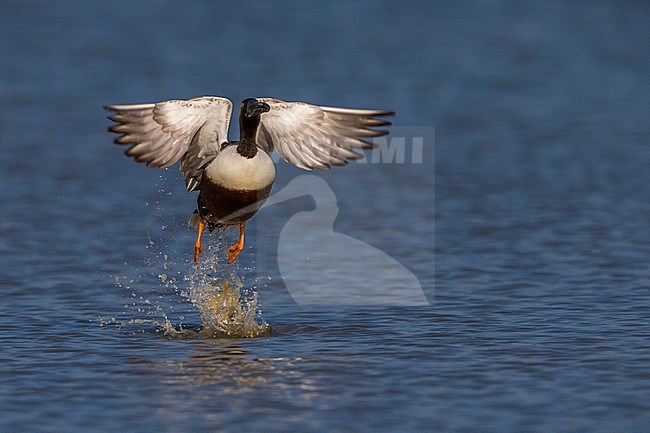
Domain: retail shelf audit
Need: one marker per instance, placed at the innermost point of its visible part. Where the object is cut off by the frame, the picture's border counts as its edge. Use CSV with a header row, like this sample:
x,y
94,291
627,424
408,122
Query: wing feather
x,y
311,136
163,133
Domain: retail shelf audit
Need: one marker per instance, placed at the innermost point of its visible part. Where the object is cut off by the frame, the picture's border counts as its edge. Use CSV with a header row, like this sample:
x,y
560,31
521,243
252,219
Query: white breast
x,y
233,171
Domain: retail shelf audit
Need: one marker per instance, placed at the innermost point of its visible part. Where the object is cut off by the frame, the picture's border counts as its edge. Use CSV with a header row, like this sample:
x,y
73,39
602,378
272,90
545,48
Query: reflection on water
x,y
222,375
225,363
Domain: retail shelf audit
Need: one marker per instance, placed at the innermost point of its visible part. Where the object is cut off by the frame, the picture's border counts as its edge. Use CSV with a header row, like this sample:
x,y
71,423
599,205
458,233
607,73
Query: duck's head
x,y
251,107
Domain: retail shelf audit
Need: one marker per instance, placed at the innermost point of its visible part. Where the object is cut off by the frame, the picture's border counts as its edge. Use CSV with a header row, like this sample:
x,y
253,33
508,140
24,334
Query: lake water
x,y
526,225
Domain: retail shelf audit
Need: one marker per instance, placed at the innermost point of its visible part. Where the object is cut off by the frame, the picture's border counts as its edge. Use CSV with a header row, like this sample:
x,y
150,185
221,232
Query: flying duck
x,y
235,177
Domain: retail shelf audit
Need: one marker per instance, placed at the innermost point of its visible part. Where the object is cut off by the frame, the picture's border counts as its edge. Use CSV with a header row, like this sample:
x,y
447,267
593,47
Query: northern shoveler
x,y
235,177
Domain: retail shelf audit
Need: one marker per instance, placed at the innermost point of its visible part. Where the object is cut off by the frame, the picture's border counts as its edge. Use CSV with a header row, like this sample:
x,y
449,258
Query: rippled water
x,y
528,229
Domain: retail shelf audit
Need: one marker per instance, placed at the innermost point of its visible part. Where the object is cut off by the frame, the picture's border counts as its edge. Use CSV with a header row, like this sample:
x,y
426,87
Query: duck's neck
x,y
247,132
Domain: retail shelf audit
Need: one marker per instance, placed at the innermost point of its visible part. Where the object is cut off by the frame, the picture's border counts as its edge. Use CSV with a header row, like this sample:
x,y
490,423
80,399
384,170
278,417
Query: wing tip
x,y
382,113
360,111
379,123
128,107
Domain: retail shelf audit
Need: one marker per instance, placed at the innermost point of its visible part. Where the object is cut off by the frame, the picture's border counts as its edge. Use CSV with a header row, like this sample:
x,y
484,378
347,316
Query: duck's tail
x,y
194,220
196,217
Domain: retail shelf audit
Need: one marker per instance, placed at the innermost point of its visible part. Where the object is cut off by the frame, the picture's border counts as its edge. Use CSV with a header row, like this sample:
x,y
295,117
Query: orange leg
x,y
234,251
198,248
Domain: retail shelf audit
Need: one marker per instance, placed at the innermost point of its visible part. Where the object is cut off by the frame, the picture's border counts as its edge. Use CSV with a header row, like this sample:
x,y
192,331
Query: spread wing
x,y
161,134
310,136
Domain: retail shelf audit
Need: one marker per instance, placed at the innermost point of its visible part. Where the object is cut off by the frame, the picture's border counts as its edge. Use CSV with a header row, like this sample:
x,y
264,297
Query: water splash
x,y
171,295
226,307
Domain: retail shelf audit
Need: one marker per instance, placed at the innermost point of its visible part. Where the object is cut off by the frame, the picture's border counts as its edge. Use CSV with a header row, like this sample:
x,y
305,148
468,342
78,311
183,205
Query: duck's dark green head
x,y
251,107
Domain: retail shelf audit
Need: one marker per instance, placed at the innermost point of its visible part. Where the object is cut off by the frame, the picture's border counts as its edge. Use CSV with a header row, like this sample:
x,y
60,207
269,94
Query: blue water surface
x,y
527,223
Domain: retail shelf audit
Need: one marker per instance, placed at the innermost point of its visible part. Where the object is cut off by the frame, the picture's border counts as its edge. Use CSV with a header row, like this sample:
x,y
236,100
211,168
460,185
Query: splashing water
x,y
226,308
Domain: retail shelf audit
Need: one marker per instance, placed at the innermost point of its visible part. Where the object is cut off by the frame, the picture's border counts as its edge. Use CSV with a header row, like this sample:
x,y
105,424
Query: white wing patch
x,y
161,134
311,136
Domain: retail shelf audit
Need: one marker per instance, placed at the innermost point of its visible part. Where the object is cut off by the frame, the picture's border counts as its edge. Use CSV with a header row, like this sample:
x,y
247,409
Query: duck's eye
x,y
242,105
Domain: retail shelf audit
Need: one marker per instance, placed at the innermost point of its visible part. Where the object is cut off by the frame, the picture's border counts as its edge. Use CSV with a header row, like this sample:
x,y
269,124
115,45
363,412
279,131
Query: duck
x,y
235,178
